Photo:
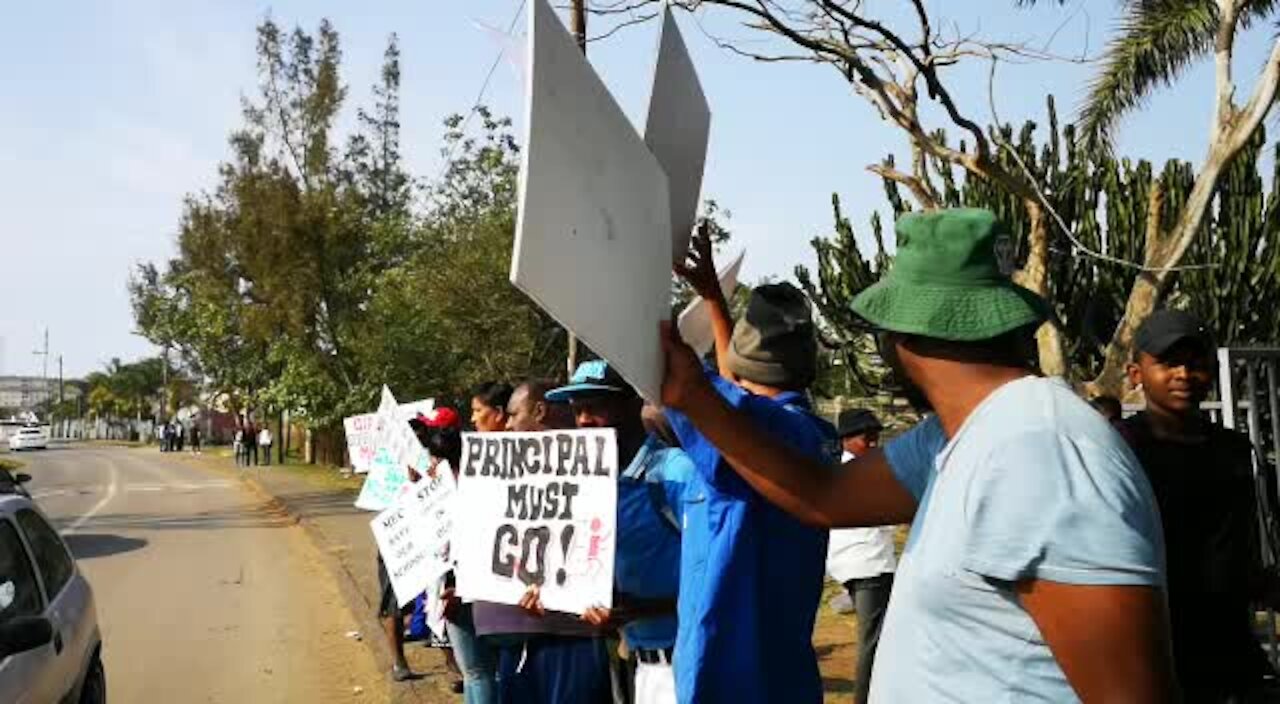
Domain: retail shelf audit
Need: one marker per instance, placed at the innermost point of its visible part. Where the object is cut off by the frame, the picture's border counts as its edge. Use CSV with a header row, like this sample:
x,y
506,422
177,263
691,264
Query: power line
x,y
484,86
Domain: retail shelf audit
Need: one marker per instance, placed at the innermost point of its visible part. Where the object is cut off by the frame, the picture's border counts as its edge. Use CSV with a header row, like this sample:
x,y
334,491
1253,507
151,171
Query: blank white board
x,y
677,130
590,244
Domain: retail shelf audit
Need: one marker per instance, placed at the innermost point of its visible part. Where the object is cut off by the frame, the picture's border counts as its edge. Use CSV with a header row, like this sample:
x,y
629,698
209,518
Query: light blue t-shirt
x,y
1034,485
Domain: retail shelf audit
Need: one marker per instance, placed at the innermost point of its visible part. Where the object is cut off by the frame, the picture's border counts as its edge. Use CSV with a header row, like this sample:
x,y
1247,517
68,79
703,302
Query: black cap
x,y
857,421
1164,328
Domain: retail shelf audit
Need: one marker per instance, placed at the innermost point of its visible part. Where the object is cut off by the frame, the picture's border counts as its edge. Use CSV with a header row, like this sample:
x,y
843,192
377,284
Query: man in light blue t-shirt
x,y
1034,570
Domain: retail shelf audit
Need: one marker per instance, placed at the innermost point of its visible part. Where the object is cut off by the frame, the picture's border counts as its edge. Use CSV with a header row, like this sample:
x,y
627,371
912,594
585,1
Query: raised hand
x,y
699,269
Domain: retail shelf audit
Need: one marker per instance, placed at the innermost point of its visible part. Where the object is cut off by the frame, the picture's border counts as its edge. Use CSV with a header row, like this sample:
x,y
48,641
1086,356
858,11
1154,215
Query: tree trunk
x,y
1034,276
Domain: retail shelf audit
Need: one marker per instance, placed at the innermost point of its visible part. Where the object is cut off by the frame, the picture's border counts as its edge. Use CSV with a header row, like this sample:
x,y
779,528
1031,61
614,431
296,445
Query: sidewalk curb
x,y
356,602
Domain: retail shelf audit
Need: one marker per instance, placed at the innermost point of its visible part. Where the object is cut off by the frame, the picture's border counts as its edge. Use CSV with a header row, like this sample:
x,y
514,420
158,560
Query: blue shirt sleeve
x,y
912,455
798,429
1049,506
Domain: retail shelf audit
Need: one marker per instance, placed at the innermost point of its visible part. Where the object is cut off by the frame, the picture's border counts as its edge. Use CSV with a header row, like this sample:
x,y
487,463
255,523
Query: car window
x,y
19,592
54,563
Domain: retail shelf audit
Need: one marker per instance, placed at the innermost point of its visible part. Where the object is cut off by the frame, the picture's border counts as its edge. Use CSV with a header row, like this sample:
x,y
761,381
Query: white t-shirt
x,y
1035,484
264,437
859,553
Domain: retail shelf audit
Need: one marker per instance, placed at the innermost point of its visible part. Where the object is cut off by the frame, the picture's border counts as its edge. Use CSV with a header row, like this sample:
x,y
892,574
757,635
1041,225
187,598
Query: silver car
x,y
50,645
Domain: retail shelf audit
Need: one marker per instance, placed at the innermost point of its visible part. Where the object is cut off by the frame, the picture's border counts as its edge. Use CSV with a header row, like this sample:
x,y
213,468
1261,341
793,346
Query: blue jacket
x,y
647,551
751,575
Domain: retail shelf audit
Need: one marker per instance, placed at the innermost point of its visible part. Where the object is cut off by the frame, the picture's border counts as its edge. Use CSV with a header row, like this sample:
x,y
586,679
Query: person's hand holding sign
x,y
532,602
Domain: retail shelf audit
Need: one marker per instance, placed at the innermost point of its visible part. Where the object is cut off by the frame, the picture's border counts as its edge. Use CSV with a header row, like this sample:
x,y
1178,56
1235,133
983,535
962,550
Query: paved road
x,y
206,592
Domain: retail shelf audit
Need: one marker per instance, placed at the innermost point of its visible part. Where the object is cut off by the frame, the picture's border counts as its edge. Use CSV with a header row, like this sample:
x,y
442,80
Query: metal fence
x,y
1248,385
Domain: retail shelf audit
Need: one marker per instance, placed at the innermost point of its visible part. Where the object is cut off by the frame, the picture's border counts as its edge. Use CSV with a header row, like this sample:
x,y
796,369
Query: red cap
x,y
443,417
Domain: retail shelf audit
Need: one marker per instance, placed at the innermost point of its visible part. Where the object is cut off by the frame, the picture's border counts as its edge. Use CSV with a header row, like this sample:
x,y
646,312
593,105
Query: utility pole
x,y
44,365
578,27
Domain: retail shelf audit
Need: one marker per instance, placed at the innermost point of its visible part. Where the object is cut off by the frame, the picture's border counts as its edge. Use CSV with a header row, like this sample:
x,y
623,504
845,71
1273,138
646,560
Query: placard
x,y
362,431
537,509
592,244
677,130
694,322
413,534
396,448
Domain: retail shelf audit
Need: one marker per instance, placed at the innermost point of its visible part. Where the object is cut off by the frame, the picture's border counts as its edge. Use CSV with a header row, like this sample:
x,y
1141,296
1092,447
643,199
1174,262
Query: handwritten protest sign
x,y
413,534
396,448
537,509
363,432
362,439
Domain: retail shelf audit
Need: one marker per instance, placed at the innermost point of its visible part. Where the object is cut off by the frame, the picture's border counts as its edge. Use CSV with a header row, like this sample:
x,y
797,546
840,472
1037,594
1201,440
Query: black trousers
x,y
870,601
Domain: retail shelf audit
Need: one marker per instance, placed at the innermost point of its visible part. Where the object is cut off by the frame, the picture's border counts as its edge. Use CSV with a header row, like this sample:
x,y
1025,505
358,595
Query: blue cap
x,y
594,377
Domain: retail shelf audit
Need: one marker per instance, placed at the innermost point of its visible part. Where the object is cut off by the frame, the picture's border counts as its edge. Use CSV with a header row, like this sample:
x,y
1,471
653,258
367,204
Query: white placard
x,y
695,320
537,509
362,431
413,534
592,246
677,130
396,448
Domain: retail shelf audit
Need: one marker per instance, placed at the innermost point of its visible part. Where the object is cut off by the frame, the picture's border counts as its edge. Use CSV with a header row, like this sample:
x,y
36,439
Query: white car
x,y
29,438
50,644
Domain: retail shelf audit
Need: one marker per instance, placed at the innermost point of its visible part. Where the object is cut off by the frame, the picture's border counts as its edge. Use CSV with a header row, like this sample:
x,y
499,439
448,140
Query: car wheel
x,y
95,684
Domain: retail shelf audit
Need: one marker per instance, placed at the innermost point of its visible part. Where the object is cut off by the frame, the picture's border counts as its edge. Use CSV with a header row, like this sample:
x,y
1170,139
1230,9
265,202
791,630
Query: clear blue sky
x,y
112,111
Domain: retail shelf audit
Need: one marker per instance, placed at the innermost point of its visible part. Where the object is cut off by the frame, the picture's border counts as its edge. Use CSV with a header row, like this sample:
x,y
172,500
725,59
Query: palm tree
x,y
1155,41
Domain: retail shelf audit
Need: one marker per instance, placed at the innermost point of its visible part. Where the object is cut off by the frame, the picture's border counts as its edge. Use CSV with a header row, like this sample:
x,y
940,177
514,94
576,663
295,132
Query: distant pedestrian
x,y
237,445
163,434
250,445
264,442
195,439
179,435
863,559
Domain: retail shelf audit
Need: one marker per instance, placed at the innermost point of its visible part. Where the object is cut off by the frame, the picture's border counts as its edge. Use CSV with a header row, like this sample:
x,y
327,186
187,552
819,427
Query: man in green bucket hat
x,y
1034,570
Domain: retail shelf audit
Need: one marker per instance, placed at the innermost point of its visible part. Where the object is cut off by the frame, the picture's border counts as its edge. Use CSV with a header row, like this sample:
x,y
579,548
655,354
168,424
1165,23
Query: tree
x,y
1105,201
895,70
276,266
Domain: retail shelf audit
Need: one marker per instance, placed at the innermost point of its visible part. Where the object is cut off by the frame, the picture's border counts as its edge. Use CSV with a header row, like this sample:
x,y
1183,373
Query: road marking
x,y
111,493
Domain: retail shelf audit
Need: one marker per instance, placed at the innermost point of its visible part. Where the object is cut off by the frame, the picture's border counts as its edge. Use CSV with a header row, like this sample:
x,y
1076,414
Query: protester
x,y
1034,567
528,409
489,406
651,492
1109,407
552,657
476,658
250,445
863,559
1203,479
264,442
751,575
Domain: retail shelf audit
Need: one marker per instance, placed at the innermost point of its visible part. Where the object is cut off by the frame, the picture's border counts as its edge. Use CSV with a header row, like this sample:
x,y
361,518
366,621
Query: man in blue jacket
x,y
752,575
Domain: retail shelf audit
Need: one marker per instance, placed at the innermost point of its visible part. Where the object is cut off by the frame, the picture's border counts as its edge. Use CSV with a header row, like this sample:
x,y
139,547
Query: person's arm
x,y
626,609
863,492
700,273
1112,642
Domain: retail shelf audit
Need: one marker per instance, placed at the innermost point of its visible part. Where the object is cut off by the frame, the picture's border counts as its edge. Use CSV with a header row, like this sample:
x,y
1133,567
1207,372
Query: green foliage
x,y
305,280
1154,43
1104,202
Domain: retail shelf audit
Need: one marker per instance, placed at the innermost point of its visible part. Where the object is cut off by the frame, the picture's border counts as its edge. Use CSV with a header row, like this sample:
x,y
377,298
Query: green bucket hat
x,y
948,282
